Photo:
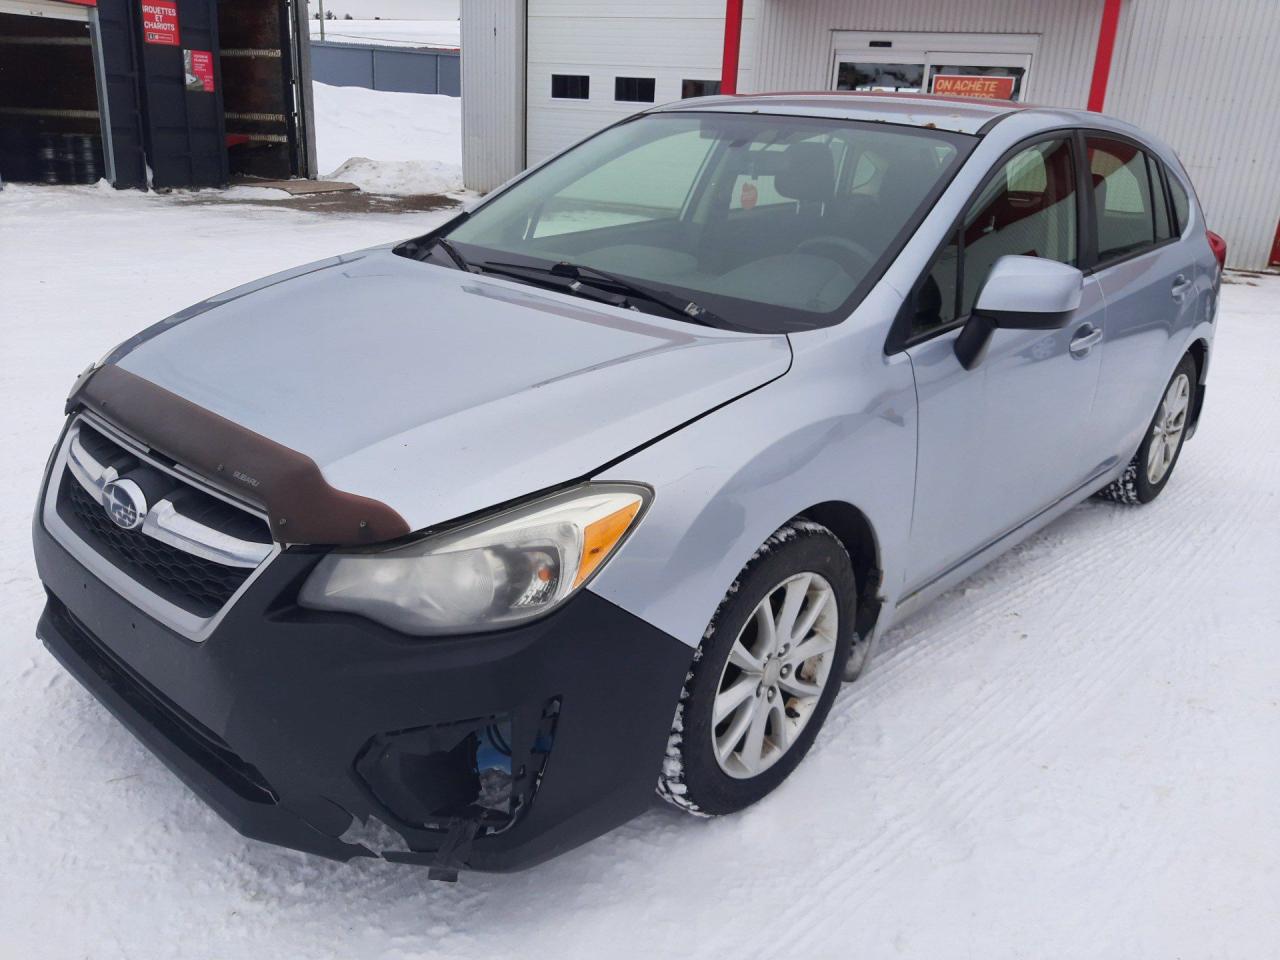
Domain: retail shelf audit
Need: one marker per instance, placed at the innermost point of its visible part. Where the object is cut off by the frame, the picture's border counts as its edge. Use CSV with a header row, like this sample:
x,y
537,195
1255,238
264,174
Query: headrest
x,y
808,172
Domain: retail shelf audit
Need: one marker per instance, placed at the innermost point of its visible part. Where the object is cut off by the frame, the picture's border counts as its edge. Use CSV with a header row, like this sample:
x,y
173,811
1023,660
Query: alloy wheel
x,y
777,670
1166,433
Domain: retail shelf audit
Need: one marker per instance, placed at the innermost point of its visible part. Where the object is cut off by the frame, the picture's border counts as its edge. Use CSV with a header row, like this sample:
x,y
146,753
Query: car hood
x,y
437,392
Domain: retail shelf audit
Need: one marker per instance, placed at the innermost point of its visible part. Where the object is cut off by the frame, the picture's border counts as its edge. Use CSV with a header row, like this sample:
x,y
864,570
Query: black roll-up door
x,y
186,139
117,26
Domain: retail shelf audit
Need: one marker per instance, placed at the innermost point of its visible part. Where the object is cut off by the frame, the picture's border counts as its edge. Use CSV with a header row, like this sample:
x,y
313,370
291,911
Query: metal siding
x,y
1201,74
669,41
493,91
794,37
387,68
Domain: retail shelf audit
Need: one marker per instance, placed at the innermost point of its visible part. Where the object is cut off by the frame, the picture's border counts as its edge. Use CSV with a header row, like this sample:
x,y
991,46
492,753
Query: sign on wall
x,y
990,88
199,69
160,22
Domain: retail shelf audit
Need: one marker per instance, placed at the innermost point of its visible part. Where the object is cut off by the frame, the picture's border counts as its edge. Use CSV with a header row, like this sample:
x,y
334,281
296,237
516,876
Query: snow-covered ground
x,y
1075,755
392,143
393,33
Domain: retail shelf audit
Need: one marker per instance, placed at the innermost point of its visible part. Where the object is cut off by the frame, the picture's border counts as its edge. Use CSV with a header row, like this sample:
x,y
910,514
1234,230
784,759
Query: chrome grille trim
x,y
175,530
163,522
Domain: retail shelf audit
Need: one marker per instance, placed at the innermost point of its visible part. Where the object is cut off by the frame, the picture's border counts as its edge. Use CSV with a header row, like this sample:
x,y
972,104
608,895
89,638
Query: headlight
x,y
497,572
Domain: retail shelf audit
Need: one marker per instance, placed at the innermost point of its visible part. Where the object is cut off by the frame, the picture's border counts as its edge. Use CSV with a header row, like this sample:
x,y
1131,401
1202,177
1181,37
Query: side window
x,y
1160,204
1181,203
1028,208
1122,197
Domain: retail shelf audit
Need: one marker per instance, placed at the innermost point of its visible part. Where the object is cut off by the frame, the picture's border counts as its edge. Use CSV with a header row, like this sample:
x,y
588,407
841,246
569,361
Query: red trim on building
x,y
1102,60
732,45
1275,249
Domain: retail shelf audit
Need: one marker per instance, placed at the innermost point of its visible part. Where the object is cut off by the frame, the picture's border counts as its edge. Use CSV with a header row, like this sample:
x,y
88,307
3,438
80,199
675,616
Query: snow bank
x,y
392,143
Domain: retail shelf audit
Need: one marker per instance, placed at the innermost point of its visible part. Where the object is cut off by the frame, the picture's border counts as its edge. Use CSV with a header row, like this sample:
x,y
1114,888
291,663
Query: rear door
x,y
1002,442
1147,278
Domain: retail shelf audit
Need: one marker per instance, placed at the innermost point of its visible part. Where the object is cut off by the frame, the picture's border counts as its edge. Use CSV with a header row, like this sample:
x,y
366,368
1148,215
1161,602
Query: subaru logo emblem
x,y
125,504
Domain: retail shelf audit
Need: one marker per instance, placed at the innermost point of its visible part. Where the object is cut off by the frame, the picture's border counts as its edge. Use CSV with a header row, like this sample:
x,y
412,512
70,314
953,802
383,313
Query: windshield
x,y
764,223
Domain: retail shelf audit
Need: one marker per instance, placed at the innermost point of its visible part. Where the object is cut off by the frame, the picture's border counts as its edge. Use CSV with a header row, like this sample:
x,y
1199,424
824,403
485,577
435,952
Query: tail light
x,y
1219,247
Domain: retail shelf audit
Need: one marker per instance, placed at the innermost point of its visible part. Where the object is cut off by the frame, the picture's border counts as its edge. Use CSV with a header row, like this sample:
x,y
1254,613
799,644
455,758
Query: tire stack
x,y
69,158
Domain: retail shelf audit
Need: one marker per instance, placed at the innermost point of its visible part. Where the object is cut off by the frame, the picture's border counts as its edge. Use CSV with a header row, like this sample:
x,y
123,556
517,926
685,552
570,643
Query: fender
x,y
726,482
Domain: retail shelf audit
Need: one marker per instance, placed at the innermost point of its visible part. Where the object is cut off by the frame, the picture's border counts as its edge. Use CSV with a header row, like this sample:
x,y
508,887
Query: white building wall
x,y
794,37
1205,76
669,40
493,92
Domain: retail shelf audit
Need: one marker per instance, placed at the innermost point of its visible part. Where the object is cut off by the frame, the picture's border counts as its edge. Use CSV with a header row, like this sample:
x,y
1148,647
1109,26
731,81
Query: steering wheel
x,y
837,249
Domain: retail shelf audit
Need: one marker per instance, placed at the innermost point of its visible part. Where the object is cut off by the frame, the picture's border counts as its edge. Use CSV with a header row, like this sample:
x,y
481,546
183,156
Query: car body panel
x,y
1000,441
725,483
440,393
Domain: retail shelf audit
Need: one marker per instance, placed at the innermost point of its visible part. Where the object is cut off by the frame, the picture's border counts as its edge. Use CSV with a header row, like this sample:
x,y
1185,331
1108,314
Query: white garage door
x,y
582,56
45,8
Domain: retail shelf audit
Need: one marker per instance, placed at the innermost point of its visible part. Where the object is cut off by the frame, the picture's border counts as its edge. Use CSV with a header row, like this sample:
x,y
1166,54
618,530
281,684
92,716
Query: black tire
x,y
692,777
1134,486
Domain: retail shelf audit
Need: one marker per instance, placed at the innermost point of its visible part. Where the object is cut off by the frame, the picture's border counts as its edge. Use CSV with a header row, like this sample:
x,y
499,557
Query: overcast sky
x,y
391,9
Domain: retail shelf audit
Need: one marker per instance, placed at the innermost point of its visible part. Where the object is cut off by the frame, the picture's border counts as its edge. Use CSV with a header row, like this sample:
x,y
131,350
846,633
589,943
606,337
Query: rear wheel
x,y
1152,466
765,675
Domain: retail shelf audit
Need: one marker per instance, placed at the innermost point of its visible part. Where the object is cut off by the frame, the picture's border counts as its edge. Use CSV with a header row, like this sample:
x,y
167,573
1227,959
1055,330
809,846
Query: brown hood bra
x,y
286,484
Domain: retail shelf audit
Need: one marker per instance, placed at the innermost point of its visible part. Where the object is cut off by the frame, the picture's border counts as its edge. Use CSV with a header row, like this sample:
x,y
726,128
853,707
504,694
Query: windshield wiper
x,y
545,278
579,274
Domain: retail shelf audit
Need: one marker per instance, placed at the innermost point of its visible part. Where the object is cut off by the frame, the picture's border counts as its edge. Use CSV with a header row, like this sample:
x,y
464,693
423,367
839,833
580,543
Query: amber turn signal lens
x,y
600,537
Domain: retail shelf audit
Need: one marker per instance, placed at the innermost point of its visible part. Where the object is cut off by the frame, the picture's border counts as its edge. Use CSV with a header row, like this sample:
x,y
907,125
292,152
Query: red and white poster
x,y
160,22
199,69
988,88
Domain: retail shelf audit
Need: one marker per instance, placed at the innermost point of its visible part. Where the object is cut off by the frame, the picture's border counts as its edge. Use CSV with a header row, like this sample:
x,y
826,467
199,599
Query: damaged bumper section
x,y
333,735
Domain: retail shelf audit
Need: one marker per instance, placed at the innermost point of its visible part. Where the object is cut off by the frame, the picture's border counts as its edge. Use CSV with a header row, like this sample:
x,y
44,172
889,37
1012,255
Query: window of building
x,y
570,86
897,77
699,88
1122,198
634,89
1027,209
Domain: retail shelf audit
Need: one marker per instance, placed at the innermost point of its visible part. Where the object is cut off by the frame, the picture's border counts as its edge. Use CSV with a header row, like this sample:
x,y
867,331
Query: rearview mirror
x,y
1021,293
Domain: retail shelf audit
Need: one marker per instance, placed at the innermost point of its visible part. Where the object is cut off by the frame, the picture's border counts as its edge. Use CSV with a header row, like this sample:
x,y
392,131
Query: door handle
x,y
1180,286
1085,339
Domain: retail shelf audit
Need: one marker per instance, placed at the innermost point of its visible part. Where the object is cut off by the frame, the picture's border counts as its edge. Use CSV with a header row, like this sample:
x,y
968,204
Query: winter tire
x,y
1152,466
765,675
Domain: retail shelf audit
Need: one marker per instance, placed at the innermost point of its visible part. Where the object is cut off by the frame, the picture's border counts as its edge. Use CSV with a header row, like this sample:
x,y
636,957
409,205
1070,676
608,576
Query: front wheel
x,y
1152,466
765,675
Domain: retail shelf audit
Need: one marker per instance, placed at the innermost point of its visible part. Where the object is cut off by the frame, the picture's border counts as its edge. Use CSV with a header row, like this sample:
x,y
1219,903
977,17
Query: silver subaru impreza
x,y
450,551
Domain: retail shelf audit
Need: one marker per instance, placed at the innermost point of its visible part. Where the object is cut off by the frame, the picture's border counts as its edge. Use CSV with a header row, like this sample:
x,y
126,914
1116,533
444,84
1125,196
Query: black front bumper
x,y
274,719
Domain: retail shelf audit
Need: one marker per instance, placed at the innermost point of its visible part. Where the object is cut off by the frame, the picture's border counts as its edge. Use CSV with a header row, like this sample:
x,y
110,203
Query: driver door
x,y
1000,443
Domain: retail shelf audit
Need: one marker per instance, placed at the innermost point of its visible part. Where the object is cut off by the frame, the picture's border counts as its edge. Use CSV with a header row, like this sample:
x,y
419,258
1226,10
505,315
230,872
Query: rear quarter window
x,y
1181,203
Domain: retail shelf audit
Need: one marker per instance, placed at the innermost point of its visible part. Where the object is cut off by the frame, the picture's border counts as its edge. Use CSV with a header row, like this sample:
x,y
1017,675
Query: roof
x,y
958,114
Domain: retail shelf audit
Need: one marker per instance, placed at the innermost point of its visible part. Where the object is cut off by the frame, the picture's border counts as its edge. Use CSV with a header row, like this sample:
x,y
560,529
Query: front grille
x,y
196,585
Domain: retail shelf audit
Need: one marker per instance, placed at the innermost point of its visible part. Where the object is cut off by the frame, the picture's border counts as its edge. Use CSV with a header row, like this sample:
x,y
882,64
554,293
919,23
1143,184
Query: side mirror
x,y
1021,293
